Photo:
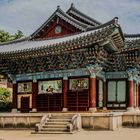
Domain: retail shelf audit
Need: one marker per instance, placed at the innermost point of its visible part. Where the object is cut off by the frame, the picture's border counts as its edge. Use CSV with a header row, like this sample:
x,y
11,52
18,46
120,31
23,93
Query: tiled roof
x,y
60,13
132,40
97,33
83,16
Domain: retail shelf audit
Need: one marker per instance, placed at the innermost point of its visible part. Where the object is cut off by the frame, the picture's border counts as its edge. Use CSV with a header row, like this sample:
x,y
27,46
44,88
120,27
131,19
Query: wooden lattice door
x,y
25,104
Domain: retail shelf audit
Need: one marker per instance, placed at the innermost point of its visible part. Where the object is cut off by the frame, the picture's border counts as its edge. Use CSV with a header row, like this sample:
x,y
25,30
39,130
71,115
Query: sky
x,y
29,15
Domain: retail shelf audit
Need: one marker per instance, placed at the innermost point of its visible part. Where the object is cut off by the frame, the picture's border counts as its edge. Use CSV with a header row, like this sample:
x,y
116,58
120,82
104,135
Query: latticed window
x,y
117,91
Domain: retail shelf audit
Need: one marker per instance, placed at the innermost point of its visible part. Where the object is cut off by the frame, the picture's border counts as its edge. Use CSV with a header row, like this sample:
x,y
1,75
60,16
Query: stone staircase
x,y
58,124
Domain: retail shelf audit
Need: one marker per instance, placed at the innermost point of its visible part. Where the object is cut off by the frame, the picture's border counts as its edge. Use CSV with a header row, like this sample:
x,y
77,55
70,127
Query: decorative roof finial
x,y
116,20
58,6
72,5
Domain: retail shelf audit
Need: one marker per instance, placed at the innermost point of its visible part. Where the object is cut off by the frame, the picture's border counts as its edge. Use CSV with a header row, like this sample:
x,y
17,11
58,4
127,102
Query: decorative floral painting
x,y
53,86
79,84
25,87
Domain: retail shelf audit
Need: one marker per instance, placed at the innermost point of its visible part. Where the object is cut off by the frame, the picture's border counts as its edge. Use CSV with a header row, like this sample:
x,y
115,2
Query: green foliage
x,y
18,35
4,95
6,36
5,104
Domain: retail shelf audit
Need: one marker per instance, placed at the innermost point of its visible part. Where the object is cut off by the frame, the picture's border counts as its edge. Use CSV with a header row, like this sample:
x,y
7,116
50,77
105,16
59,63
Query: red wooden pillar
x,y
92,94
34,94
104,95
130,95
14,101
137,97
65,91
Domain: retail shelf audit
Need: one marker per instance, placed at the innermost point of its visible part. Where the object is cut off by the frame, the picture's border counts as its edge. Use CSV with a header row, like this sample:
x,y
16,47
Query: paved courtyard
x,y
120,134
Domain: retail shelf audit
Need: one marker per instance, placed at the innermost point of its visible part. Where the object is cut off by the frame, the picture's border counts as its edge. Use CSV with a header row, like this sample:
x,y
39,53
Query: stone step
x,y
52,132
54,129
62,114
62,117
59,120
56,123
54,126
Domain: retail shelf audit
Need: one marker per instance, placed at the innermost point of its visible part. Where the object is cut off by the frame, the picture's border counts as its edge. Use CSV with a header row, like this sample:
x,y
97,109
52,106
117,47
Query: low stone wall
x,y
102,121
131,119
19,121
91,121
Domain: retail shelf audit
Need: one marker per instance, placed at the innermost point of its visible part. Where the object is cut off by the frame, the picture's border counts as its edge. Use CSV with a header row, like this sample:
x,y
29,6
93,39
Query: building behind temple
x,y
73,63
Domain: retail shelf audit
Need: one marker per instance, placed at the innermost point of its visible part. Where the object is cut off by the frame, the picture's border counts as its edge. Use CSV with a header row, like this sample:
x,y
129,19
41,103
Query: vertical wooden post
x,y
34,94
65,92
130,95
92,94
14,101
137,97
104,95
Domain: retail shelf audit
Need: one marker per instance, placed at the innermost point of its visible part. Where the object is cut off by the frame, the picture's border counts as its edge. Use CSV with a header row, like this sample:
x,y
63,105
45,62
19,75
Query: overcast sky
x,y
28,15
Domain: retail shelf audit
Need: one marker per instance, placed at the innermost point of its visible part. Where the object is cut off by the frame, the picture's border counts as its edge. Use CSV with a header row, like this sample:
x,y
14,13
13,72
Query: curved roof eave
x,y
15,41
33,45
132,35
75,11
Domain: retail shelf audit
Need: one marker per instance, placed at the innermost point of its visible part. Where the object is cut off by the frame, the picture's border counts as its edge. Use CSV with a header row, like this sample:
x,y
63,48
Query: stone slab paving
x,y
120,134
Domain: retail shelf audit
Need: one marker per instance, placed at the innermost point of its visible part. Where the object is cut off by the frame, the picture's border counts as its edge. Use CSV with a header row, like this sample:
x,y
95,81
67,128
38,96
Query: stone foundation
x,y
130,119
91,121
102,121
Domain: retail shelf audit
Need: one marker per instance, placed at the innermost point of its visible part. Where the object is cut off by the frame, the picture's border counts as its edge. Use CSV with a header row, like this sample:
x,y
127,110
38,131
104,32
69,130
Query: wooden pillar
x,y
92,94
14,101
34,94
137,97
130,95
65,91
104,95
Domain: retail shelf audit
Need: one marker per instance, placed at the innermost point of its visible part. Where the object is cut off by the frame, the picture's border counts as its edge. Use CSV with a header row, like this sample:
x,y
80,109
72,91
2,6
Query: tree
x,y
6,36
5,100
18,35
4,94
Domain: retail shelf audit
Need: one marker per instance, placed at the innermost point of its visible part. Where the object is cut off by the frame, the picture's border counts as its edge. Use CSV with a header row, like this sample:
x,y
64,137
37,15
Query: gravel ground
x,y
120,134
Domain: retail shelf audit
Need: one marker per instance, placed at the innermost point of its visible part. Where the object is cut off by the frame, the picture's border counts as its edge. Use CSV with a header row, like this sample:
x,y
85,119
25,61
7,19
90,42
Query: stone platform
x,y
90,121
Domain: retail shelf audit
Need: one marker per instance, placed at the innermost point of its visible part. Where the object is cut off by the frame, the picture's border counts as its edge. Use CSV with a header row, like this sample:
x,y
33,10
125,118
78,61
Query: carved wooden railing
x,y
44,119
75,124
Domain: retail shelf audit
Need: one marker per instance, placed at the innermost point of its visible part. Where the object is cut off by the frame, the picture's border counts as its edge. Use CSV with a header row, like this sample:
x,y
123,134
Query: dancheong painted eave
x,y
95,35
132,42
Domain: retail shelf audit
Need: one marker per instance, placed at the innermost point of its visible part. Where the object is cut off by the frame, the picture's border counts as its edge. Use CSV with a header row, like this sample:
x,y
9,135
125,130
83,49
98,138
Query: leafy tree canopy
x,y
4,94
6,36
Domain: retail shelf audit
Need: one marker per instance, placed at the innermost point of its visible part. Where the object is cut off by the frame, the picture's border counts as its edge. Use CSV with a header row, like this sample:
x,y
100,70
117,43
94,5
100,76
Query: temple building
x,y
73,63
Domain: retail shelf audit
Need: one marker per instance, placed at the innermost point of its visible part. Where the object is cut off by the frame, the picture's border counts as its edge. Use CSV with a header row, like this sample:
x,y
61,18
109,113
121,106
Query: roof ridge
x,y
73,9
